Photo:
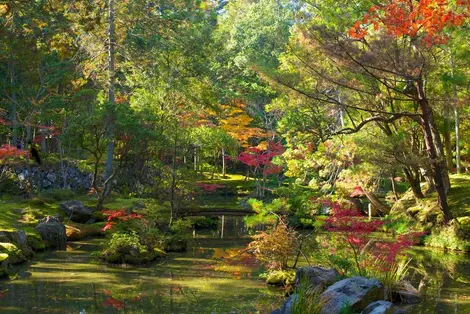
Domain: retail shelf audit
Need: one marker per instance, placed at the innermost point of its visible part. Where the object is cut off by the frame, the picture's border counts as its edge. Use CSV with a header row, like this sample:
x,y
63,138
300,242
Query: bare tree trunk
x,y
111,96
413,181
14,120
223,162
447,141
378,204
457,118
394,187
433,148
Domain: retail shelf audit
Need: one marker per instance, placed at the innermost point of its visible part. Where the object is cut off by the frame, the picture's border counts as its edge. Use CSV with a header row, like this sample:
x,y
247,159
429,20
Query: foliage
x,y
306,299
275,246
126,248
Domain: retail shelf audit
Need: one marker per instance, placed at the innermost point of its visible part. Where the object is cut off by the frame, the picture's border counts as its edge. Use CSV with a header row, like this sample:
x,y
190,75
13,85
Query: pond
x,y
214,276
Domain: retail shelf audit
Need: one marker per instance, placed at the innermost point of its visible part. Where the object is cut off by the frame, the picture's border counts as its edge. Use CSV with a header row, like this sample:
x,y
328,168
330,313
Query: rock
x,y
76,211
3,265
19,239
53,233
355,293
76,231
15,255
405,292
317,276
380,307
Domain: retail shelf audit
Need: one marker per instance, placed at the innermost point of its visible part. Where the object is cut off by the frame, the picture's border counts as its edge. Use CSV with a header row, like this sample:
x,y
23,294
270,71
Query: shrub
x,y
275,246
126,248
279,277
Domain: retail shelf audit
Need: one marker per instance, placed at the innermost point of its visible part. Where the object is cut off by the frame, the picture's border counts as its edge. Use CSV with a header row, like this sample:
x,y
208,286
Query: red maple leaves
x,y
9,151
257,158
424,18
118,215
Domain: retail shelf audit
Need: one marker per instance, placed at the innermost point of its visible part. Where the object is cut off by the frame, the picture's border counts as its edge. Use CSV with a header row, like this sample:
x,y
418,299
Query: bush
x,y
126,248
274,247
178,237
280,277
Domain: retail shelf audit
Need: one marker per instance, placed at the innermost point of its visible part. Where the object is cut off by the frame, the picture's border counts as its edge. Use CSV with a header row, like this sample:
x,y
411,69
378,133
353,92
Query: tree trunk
x,y
111,96
223,162
394,187
433,148
378,205
447,141
457,118
413,181
14,121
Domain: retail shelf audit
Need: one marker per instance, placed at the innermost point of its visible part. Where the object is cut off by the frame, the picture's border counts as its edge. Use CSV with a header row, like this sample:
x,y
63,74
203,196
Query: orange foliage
x,y
413,18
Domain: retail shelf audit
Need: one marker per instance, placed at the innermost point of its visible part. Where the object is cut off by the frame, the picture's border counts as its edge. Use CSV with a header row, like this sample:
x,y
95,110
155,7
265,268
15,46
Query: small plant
x,y
306,299
275,246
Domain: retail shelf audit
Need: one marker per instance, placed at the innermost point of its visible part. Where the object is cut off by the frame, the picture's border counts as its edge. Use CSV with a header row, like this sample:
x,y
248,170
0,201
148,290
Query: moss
x,y
35,242
281,277
15,255
3,265
125,248
449,237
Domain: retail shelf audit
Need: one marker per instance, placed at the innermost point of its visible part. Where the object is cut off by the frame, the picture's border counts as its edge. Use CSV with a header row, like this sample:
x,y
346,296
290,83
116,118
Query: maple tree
x,y
261,163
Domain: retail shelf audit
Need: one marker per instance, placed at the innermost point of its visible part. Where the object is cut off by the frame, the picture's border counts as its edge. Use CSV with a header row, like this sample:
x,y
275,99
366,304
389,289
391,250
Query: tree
x,y
386,61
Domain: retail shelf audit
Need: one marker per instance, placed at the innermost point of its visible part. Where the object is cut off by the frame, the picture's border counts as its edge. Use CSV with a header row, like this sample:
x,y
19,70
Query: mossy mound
x,y
451,236
3,265
281,277
424,214
35,242
125,248
15,255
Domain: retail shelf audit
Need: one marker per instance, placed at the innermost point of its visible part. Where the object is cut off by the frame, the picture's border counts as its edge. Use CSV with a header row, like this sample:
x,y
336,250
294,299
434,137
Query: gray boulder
x,y
317,276
380,307
52,231
356,293
20,240
76,211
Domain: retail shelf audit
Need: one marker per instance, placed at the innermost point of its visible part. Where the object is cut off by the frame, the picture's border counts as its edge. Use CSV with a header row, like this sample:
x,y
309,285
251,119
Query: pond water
x,y
213,276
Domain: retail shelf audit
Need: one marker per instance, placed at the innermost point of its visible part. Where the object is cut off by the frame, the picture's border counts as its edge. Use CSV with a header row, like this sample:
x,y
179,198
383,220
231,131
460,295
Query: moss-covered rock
x,y
35,242
15,255
3,265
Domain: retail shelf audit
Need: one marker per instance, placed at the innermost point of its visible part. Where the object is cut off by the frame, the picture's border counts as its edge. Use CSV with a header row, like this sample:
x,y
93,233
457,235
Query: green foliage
x,y
126,248
279,277
306,299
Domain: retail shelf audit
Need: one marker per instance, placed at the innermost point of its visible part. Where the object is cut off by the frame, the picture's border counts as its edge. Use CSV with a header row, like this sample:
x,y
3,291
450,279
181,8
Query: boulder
x,y
3,265
14,254
404,292
76,231
380,307
52,231
317,276
19,239
76,211
355,293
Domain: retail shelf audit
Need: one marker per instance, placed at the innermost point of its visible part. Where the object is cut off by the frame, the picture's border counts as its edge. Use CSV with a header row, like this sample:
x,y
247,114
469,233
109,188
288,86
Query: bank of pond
x,y
216,274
